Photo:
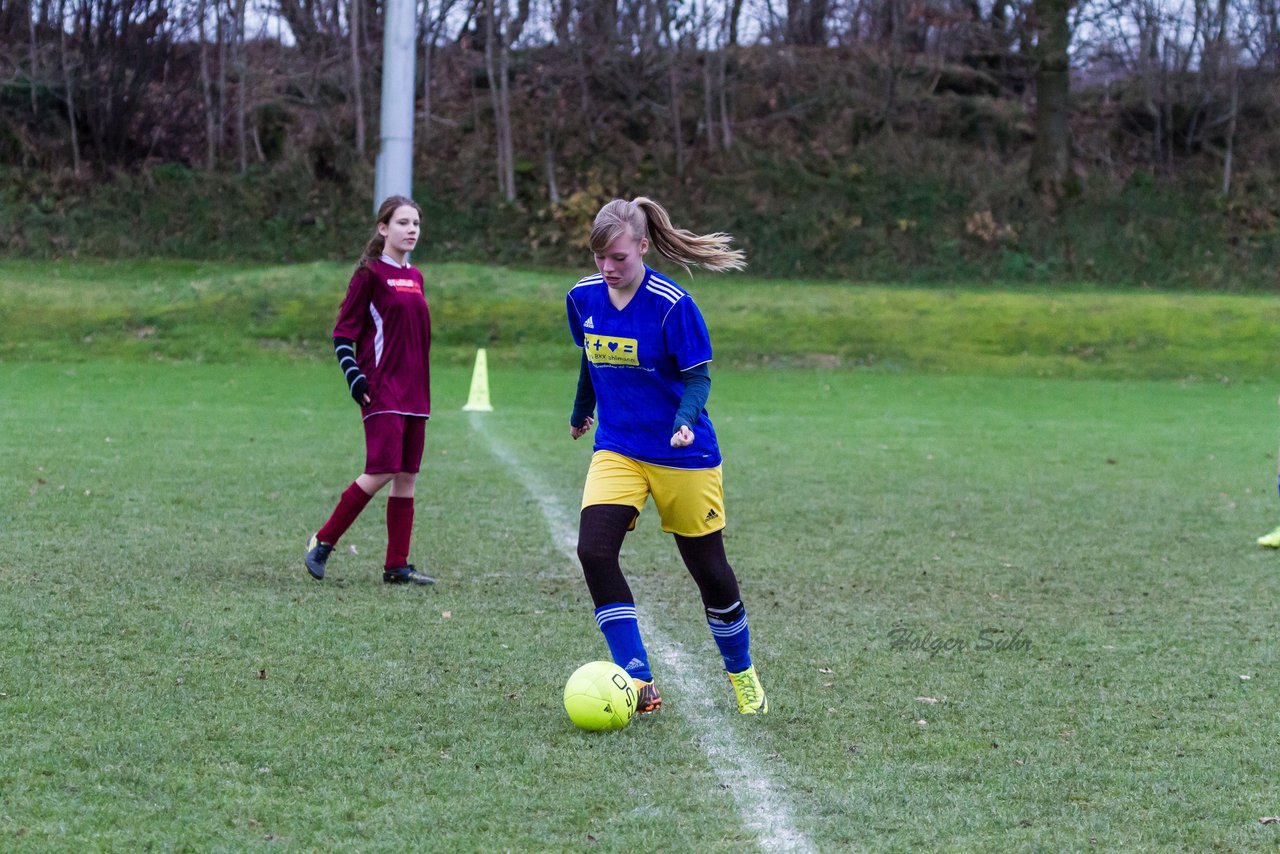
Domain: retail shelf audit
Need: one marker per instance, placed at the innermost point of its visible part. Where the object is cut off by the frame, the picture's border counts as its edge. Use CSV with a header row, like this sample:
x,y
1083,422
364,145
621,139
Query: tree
x,y
113,54
806,23
212,123
1050,175
501,31
68,78
672,25
430,27
357,75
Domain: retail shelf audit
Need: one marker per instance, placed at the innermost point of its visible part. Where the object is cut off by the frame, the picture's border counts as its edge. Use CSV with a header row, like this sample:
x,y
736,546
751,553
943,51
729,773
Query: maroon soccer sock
x,y
399,530
349,507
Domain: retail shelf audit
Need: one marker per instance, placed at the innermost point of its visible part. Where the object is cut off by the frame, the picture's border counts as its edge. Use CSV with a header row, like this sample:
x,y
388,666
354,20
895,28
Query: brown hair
x,y
373,249
643,217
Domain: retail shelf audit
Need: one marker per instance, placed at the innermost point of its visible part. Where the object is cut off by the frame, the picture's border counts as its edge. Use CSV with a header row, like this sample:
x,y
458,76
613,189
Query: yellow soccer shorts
x,y
690,502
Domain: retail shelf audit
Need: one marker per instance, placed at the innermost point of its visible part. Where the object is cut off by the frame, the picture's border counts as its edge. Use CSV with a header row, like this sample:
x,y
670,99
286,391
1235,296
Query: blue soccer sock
x,y
729,628
622,633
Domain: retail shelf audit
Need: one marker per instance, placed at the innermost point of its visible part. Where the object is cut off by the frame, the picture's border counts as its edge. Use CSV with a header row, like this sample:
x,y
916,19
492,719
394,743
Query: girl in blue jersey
x,y
645,350
383,339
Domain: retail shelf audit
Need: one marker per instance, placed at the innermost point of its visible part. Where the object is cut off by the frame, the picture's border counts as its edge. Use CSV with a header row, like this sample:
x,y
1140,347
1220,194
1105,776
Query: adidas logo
x,y
589,323
711,514
633,664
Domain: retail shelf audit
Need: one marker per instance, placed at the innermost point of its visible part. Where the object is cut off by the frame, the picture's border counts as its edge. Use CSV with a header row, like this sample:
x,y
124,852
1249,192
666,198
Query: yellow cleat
x,y
1271,541
751,698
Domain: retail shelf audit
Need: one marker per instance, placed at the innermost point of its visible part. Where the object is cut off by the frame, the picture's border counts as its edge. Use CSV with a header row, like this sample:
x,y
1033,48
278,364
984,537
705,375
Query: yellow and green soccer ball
x,y
600,696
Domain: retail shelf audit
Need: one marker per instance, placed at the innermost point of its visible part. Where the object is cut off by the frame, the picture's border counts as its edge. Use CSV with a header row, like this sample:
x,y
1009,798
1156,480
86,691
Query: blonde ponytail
x,y
643,217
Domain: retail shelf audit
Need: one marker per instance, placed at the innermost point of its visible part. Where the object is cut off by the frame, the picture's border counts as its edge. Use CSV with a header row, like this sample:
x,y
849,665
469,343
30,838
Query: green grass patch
x,y
223,313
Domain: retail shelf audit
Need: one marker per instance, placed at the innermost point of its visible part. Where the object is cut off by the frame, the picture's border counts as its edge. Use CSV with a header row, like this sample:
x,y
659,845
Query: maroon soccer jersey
x,y
385,313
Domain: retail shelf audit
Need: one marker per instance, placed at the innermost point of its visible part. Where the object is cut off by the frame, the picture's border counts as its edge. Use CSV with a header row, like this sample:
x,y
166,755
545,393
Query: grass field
x,y
196,311
993,612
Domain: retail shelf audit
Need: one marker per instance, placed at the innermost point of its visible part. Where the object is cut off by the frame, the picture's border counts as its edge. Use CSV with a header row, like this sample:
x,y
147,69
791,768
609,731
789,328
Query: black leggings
x,y
601,529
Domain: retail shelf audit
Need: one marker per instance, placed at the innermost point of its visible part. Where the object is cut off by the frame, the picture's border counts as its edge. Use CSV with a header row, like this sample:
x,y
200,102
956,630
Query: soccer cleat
x,y
1271,541
406,575
751,698
647,697
317,556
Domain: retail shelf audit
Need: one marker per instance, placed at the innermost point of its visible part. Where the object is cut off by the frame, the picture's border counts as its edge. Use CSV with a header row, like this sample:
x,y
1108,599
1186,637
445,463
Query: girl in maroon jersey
x,y
382,340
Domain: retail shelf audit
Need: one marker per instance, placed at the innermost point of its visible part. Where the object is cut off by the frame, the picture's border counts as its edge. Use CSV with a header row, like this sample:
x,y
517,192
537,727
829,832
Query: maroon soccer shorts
x,y
393,443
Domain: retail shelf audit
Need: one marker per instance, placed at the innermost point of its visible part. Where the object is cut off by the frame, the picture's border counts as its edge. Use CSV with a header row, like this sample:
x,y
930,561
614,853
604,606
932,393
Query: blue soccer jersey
x,y
635,356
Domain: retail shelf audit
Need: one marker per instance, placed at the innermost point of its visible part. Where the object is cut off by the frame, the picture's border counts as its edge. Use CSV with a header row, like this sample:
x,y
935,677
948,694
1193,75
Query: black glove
x,y
359,389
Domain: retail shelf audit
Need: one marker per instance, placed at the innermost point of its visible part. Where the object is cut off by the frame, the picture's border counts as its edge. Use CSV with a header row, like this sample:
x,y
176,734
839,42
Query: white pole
x,y
394,171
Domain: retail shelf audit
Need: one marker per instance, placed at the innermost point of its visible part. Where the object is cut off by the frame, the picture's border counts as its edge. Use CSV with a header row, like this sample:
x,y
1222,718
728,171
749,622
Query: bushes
x,y
904,210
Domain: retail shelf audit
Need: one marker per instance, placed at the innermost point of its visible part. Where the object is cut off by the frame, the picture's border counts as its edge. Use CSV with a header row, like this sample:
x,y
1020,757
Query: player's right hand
x,y
360,391
578,432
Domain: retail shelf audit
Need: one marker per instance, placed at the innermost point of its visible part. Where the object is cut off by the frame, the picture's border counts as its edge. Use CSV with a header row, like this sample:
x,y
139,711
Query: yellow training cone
x,y
478,401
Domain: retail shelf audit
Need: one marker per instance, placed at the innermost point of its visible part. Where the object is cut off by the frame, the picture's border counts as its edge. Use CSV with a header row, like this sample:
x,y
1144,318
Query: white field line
x,y
760,802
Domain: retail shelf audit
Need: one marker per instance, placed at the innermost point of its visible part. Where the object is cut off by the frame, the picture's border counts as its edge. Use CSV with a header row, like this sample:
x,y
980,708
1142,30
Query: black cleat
x,y
406,575
648,700
317,556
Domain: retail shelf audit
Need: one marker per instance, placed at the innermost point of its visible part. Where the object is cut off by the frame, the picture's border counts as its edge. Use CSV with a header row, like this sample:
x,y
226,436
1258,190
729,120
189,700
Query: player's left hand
x,y
682,438
578,432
